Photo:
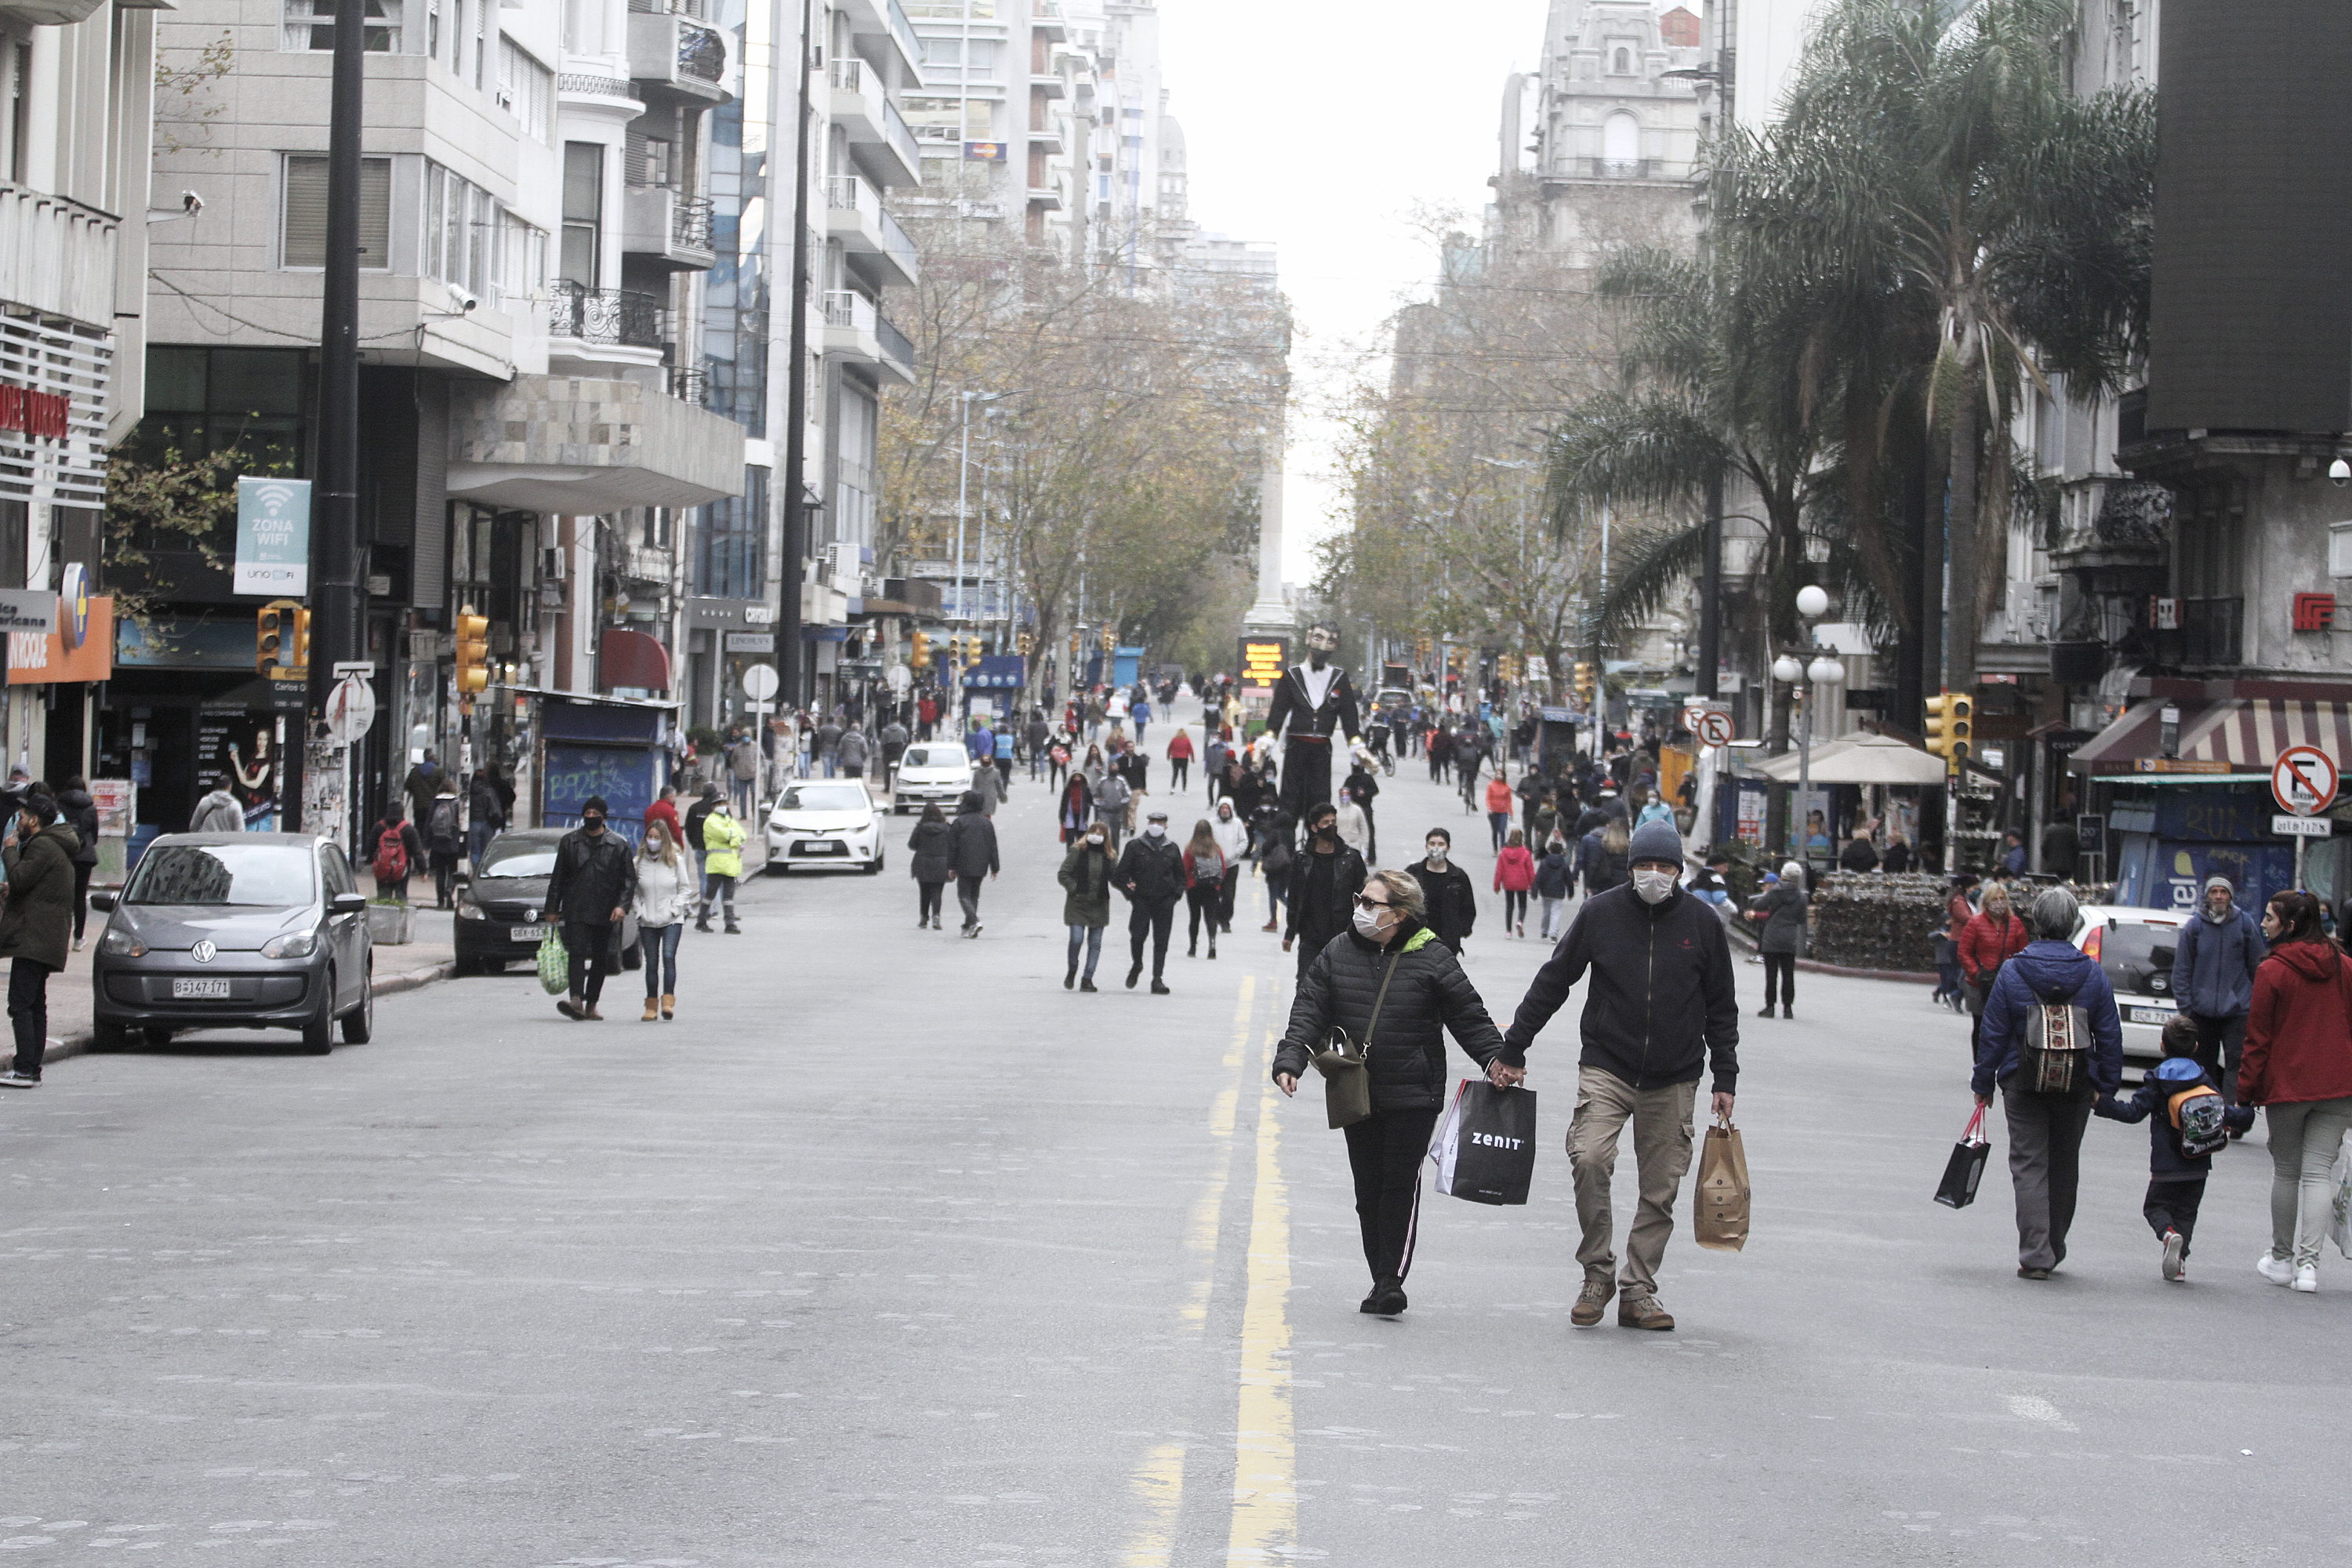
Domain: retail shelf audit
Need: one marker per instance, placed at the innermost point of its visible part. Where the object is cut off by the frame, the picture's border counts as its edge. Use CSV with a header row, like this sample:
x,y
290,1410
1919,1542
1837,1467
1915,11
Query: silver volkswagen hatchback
x,y
235,930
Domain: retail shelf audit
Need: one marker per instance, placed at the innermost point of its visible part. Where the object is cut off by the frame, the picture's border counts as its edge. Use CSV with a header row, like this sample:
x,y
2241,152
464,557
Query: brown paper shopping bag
x,y
1721,1199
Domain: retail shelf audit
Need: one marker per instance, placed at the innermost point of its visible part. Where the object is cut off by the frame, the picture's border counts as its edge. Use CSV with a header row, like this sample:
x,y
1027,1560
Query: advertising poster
x,y
242,743
273,537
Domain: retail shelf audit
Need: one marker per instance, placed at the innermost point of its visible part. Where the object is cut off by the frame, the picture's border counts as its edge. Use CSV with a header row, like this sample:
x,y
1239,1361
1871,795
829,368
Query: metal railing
x,y
893,126
897,241
689,224
848,308
689,385
621,316
849,74
701,53
848,193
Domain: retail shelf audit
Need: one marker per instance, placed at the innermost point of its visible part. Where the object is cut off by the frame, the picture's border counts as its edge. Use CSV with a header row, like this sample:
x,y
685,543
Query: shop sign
x,y
37,659
750,642
2182,765
27,610
1263,659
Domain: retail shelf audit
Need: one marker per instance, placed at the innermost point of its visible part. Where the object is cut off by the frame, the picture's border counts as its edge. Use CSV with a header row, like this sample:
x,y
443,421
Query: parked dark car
x,y
502,913
235,930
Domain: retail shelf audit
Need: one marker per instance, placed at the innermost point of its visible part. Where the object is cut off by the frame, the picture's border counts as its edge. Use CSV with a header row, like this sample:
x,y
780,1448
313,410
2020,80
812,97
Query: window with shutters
x,y
302,236
526,89
309,25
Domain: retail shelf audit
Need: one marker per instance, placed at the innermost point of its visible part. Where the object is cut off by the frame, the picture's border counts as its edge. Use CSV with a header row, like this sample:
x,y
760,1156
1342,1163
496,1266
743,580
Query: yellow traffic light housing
x,y
922,656
473,652
301,638
971,652
1584,685
269,629
1110,638
1951,728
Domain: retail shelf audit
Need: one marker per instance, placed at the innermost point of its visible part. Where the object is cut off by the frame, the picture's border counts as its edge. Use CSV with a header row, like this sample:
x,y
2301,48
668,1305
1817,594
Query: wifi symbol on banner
x,y
273,497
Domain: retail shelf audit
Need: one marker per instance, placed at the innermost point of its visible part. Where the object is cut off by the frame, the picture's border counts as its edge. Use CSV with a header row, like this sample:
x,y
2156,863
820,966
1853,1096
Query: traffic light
x,y
1026,644
1584,681
473,651
301,638
971,652
1951,728
921,657
271,628
1109,637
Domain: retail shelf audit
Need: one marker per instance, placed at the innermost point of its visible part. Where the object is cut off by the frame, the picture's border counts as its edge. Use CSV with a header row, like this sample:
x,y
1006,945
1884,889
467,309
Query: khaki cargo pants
x,y
1662,1153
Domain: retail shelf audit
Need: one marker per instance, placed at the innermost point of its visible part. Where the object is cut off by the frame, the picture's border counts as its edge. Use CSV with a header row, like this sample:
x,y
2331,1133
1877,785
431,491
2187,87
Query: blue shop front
x,y
2182,780
618,748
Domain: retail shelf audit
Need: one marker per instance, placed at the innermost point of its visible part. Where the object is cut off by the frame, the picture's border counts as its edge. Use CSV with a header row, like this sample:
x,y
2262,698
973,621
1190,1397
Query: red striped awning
x,y
2236,735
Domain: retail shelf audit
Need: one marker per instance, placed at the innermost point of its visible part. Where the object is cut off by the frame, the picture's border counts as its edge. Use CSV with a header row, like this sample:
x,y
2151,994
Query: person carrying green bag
x,y
595,881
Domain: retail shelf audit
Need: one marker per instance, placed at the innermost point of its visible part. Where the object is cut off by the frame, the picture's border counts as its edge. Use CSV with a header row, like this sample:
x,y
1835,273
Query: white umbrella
x,y
1862,760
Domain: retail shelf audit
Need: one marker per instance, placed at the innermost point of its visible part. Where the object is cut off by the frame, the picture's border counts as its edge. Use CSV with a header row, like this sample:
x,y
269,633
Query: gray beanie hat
x,y
1655,840
2053,914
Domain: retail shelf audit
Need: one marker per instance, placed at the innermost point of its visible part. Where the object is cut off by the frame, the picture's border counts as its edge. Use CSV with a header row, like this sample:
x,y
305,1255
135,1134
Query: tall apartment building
x,y
77,76
862,57
534,228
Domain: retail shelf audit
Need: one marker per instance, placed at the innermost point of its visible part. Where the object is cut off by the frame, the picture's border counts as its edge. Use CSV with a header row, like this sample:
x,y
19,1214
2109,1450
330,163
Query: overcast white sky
x,y
1322,125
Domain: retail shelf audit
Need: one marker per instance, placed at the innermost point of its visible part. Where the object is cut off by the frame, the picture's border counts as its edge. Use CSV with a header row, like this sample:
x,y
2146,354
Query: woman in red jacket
x,y
1991,938
2297,1064
1515,873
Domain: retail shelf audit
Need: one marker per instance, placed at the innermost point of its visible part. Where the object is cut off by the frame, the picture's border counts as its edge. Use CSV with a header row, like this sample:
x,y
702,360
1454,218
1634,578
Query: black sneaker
x,y
1069,979
1087,984
571,1009
1134,975
18,1080
1158,986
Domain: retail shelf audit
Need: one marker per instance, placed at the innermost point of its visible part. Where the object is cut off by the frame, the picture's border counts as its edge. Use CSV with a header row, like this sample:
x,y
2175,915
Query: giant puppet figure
x,y
1312,703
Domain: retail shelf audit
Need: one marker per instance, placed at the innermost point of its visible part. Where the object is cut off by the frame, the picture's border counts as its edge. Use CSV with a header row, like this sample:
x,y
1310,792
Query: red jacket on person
x,y
2299,1026
1515,869
1180,749
1986,942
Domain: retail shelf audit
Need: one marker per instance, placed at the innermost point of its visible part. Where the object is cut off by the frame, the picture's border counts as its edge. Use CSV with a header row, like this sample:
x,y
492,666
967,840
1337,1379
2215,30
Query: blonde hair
x,y
666,851
1404,892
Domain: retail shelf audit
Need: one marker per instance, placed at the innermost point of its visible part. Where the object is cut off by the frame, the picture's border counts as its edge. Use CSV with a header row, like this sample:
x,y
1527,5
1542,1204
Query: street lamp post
x,y
1803,678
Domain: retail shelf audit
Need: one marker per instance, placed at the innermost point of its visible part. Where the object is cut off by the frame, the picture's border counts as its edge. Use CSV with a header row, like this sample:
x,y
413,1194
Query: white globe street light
x,y
1786,669
1824,670
1812,602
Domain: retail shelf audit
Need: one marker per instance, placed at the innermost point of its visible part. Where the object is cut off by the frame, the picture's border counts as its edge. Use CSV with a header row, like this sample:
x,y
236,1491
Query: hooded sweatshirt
x,y
2048,972
2299,1027
2213,962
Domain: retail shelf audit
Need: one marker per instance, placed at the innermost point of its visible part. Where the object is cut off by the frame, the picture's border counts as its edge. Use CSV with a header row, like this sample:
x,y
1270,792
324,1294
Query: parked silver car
x,y
236,931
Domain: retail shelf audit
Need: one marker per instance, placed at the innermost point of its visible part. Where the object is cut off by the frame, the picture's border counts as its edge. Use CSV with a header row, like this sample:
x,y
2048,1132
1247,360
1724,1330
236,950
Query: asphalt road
x,y
890,1252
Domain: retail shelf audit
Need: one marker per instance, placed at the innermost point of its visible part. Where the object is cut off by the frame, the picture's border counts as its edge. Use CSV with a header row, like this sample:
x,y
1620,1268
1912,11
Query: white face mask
x,y
1368,922
1653,886
1437,853
1156,830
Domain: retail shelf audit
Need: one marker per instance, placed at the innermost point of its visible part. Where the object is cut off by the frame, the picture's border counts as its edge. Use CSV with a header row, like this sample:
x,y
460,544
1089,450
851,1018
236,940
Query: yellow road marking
x,y
1159,1483
1266,1492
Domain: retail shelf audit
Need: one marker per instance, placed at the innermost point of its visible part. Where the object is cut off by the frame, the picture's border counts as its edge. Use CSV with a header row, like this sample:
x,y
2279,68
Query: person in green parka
x,y
36,926
1087,873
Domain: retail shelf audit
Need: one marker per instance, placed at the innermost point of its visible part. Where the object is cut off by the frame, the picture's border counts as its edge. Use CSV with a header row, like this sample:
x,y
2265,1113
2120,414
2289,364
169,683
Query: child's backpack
x,y
391,863
2054,1057
2198,1120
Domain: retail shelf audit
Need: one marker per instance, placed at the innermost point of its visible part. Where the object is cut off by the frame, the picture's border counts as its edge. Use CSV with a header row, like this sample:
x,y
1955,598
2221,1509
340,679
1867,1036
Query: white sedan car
x,y
2135,947
931,773
824,822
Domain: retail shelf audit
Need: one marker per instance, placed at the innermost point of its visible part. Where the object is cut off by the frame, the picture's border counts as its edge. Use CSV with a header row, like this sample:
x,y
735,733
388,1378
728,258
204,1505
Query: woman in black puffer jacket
x,y
1427,995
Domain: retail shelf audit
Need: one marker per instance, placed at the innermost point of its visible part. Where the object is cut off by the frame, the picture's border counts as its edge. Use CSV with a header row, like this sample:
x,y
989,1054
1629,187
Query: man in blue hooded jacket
x,y
2213,979
2045,1130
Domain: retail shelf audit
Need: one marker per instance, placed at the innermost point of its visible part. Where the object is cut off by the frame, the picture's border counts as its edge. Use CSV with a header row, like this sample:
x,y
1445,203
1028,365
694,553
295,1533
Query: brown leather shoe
x,y
1642,1312
1590,1301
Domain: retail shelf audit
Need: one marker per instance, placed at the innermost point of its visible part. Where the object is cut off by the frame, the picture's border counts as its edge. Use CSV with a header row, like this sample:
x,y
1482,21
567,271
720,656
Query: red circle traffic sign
x,y
2302,780
1714,727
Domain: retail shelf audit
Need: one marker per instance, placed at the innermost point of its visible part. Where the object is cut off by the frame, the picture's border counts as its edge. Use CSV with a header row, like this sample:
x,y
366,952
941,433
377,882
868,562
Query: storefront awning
x,y
1864,759
2235,735
634,660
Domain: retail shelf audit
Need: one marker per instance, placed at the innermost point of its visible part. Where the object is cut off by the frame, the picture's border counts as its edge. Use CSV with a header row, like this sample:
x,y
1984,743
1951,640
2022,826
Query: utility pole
x,y
788,606
323,805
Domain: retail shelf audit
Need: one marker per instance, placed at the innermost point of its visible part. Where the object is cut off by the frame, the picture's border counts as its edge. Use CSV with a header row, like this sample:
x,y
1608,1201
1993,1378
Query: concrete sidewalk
x,y
403,968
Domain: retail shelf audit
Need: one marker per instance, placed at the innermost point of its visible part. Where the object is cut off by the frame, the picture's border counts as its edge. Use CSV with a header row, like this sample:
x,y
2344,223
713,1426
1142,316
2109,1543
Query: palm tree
x,y
1975,226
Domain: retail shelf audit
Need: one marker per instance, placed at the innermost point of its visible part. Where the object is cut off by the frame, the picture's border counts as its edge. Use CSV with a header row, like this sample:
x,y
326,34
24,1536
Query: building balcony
x,y
670,226
613,316
1044,198
580,89
1656,171
854,217
682,57
859,106
1048,86
884,19
57,255
586,446
856,333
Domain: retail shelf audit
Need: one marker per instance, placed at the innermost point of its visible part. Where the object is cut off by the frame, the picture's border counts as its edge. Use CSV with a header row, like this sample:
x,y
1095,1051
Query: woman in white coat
x,y
666,891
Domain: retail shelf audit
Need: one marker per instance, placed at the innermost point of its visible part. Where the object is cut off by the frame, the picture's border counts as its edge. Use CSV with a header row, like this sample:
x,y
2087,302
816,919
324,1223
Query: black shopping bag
x,y
1966,1168
1486,1144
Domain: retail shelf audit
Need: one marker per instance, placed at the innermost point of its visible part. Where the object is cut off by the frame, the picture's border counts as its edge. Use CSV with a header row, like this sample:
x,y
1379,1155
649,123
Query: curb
x,y
78,1044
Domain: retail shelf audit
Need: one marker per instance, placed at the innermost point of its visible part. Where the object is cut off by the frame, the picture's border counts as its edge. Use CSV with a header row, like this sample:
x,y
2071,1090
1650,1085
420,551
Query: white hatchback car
x,y
824,822
2135,947
931,773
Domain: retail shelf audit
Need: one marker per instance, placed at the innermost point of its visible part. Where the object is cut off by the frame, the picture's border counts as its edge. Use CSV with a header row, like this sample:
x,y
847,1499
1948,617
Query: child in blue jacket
x,y
2176,1178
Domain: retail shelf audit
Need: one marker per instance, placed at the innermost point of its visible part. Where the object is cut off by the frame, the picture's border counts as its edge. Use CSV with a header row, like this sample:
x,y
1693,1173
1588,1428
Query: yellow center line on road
x,y
1265,1473
1158,1478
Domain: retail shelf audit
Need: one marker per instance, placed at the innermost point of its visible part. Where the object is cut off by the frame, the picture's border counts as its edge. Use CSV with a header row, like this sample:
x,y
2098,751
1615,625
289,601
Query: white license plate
x,y
821,849
2157,1015
526,933
199,988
